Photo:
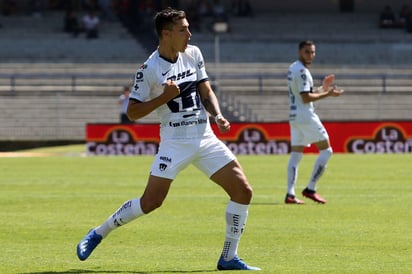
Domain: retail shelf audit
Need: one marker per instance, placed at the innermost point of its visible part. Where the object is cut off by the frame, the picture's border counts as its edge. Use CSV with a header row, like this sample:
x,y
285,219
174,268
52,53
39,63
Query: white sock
x,y
293,165
236,215
319,168
129,211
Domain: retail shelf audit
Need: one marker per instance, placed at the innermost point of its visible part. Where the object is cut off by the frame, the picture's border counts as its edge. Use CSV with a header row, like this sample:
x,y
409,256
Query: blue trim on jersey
x,y
134,99
203,80
168,60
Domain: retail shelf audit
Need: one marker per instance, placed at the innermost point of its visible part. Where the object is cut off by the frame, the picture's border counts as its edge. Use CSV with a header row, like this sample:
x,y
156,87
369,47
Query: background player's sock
x,y
319,168
293,164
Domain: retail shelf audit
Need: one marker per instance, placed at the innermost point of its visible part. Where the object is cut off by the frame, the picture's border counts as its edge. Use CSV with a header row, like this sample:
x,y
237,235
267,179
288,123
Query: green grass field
x,y
49,203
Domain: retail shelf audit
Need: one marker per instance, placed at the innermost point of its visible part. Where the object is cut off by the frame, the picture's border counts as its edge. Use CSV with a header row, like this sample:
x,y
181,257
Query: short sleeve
x,y
304,82
200,64
141,86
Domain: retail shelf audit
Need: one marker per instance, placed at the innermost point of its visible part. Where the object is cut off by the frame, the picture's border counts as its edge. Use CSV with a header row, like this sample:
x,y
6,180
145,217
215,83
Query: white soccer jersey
x,y
184,116
299,80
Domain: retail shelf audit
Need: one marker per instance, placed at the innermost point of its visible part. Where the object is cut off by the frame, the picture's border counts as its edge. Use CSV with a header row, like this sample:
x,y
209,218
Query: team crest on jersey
x,y
162,167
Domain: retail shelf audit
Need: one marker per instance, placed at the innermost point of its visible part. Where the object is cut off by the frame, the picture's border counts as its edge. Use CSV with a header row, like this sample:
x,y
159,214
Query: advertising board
x,y
256,138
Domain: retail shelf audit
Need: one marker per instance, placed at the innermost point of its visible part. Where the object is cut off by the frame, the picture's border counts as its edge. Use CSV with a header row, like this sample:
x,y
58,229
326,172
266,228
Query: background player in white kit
x,y
305,125
174,82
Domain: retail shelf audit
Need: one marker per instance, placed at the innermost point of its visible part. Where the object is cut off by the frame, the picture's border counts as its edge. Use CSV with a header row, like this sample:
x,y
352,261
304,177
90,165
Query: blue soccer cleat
x,y
88,244
234,264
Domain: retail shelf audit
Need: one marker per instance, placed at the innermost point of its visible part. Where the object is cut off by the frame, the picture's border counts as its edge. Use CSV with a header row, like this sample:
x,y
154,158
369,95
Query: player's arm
x,y
327,82
211,104
325,90
137,109
308,97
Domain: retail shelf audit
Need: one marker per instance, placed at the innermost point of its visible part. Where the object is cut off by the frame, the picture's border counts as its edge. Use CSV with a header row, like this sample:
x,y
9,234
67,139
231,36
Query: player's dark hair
x,y
306,43
165,19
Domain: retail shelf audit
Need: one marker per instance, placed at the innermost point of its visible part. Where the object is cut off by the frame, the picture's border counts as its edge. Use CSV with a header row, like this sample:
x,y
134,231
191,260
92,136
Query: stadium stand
x,y
41,39
39,99
346,39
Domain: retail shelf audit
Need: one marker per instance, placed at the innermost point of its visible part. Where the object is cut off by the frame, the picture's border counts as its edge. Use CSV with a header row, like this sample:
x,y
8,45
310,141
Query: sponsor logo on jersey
x,y
166,159
188,123
137,79
139,76
181,75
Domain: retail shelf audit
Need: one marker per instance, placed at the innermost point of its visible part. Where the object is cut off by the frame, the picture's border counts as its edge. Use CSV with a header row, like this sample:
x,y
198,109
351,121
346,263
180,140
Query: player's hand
x,y
223,124
327,81
171,89
335,92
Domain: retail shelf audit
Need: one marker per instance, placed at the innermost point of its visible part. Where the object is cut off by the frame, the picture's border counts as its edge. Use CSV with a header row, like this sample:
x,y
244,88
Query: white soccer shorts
x,y
208,154
305,134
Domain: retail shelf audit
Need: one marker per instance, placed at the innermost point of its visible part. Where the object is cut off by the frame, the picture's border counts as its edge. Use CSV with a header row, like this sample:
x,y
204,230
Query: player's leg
x,y
152,198
163,171
315,133
232,179
296,154
223,168
325,152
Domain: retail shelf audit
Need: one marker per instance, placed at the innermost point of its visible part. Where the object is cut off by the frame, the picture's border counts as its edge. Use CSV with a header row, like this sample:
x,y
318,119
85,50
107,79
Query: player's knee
x,y
327,152
243,194
148,205
248,192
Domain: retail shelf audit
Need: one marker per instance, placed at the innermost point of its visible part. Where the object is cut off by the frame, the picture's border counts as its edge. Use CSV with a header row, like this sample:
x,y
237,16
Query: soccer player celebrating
x,y
305,125
174,82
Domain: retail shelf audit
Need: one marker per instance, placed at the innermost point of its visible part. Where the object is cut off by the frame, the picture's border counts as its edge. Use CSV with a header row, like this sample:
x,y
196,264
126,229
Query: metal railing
x,y
82,82
14,83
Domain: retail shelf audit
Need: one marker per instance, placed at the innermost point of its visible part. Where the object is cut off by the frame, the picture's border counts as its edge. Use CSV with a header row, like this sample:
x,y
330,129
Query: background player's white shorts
x,y
304,134
208,154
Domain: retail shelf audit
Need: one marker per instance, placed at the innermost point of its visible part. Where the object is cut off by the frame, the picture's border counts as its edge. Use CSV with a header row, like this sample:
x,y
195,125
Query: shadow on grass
x,y
83,271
